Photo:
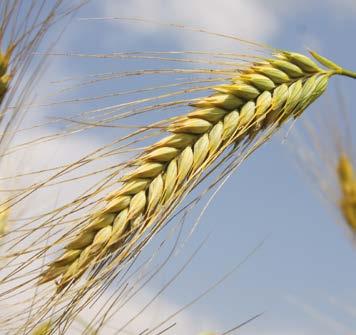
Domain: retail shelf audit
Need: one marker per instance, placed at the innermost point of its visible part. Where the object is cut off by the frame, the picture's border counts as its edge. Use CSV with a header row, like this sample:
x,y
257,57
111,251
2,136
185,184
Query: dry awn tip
x,y
258,99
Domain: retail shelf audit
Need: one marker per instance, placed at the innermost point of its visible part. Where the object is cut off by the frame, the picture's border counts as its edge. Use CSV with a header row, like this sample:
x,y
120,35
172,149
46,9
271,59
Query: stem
x,y
347,73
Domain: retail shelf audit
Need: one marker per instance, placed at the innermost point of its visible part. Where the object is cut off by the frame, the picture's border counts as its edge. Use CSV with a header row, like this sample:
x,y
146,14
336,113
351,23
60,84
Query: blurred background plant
x,y
325,148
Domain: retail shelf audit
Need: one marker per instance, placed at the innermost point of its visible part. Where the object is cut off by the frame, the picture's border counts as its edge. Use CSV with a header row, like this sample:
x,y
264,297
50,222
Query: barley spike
x,y
264,95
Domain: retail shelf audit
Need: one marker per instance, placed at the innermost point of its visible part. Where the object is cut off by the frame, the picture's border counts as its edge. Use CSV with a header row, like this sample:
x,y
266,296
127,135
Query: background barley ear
x,y
241,114
24,25
23,28
325,149
347,181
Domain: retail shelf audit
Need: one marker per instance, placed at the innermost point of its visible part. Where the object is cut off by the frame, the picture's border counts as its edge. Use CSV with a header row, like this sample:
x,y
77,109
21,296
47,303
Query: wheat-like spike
x,y
266,94
347,182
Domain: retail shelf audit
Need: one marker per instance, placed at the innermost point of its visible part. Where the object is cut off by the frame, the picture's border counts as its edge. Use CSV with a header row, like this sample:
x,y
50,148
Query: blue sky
x,y
303,277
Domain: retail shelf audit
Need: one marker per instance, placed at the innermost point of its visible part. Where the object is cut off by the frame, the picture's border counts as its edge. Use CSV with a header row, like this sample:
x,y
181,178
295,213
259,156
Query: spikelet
x,y
43,329
258,100
4,217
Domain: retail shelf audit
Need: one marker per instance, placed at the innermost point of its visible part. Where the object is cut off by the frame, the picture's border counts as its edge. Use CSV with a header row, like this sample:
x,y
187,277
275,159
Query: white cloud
x,y
186,322
289,7
225,16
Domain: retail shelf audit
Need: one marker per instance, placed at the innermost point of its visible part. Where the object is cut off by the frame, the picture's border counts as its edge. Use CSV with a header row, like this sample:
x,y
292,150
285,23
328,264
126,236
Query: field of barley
x,y
177,167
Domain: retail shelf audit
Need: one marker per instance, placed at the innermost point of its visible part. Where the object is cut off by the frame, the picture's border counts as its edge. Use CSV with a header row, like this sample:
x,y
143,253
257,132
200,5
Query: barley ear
x,y
260,99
